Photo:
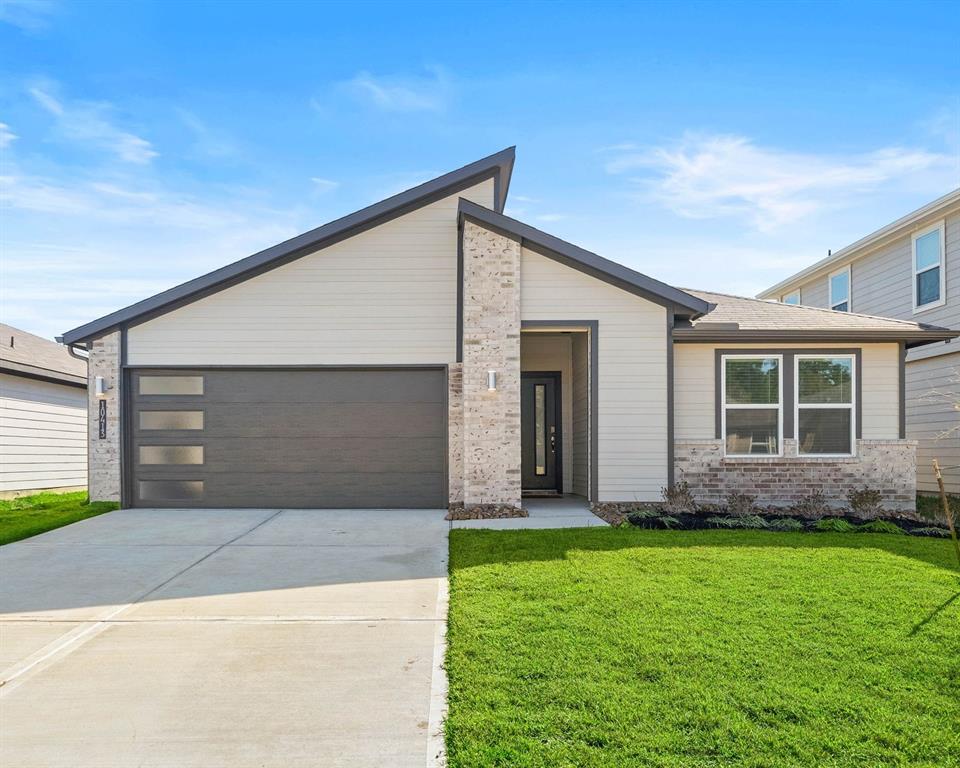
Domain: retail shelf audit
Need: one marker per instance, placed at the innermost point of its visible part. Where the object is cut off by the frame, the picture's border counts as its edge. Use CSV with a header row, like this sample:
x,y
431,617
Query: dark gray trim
x,y
902,386
912,338
585,261
125,404
459,290
41,374
593,327
670,404
304,367
557,377
789,431
497,166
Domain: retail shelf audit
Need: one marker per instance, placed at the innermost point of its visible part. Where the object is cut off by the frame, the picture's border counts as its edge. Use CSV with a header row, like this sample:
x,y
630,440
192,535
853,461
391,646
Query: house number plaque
x,y
102,420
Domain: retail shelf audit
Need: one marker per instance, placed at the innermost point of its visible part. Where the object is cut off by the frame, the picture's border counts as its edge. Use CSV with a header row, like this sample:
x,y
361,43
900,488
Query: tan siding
x,y
42,435
550,352
632,418
933,387
695,402
385,296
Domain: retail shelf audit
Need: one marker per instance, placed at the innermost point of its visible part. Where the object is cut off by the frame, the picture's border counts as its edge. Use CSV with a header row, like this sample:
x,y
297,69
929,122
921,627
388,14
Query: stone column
x,y
455,433
491,341
104,454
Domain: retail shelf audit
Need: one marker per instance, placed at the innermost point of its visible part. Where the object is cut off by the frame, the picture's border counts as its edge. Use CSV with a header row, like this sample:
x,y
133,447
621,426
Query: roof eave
x,y
585,261
910,338
498,166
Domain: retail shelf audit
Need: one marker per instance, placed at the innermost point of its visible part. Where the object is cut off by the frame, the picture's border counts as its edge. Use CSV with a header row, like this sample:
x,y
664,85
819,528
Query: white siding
x,y
43,434
695,399
385,296
632,434
933,391
552,352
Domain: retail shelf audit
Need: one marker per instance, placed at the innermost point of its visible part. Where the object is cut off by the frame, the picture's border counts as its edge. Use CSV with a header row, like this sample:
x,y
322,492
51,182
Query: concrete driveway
x,y
225,638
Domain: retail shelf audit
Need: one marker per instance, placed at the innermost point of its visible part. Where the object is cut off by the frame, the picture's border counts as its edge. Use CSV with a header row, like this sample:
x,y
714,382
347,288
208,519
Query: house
x,y
430,350
909,269
43,397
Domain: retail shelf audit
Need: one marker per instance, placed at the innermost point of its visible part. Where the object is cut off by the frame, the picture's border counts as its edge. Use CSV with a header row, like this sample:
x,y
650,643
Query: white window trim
x,y
786,296
849,299
941,226
754,407
818,406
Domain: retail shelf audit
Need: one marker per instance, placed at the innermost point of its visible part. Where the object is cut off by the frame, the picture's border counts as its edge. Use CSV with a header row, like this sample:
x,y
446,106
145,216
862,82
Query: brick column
x,y
455,433
104,454
491,341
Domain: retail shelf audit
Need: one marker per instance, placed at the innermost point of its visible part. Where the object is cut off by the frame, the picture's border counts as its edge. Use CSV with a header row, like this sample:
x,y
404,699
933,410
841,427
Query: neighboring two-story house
x,y
909,269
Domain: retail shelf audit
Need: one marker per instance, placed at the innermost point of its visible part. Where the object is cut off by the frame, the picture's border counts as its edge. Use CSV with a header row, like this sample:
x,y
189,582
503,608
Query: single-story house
x,y
43,415
430,350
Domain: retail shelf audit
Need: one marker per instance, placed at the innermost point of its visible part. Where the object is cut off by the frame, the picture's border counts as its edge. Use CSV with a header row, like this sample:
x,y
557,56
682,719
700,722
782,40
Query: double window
x,y
823,404
928,268
839,284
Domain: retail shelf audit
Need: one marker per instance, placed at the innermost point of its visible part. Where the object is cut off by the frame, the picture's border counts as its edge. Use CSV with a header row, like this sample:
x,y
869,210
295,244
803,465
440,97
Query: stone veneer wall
x,y
491,341
888,466
104,455
455,433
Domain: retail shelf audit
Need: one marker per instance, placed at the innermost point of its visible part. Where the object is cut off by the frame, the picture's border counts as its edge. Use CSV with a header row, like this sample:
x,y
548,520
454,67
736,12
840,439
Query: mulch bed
x,y
484,512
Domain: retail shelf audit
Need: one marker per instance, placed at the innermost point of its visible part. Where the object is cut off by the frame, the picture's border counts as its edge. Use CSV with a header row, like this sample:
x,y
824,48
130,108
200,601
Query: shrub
x,y
865,502
668,521
834,525
677,498
814,505
785,524
932,530
740,504
644,513
737,521
880,526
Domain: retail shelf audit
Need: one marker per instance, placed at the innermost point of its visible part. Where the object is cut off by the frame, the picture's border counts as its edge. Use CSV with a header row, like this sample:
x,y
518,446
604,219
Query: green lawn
x,y
613,647
30,515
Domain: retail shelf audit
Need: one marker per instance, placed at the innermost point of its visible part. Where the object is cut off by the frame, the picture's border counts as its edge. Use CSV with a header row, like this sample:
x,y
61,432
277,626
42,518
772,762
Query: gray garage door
x,y
288,438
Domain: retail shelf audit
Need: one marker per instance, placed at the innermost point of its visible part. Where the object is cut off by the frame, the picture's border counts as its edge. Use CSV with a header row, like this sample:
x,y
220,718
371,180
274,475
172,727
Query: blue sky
x,y
711,146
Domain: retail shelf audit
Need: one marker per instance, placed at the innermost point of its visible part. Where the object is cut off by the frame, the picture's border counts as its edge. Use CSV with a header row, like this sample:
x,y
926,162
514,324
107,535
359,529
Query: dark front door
x,y
540,431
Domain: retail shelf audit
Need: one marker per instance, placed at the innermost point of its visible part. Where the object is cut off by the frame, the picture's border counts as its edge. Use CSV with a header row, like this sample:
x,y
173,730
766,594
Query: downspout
x,y
73,352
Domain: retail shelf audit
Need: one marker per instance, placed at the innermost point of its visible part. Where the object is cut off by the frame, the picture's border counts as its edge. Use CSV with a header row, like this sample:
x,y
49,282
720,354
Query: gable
x,y
387,295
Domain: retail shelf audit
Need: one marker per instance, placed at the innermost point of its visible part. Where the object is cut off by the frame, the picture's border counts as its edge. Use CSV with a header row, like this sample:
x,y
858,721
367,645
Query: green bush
x,y
668,521
880,526
738,521
930,506
834,525
785,524
932,530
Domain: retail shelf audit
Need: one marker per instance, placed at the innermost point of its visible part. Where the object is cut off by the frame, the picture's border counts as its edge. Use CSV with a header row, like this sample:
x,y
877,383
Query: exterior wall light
x,y
100,387
491,381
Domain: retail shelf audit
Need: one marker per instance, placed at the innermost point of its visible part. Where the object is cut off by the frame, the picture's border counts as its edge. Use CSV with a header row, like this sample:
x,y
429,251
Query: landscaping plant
x,y
678,499
865,502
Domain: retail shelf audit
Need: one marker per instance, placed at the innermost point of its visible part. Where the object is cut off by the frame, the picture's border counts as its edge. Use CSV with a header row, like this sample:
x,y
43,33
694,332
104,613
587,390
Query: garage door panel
x,y
290,438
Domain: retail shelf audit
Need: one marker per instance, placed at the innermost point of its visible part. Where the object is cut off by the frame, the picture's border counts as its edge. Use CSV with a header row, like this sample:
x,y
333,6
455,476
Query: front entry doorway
x,y
540,432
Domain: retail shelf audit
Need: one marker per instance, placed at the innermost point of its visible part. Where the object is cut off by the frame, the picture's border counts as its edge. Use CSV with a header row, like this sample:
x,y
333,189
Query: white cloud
x,y
27,15
87,123
7,136
324,185
402,93
714,176
551,217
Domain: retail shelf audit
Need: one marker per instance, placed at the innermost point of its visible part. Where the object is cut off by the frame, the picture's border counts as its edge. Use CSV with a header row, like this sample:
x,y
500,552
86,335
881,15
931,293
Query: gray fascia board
x,y
498,166
585,261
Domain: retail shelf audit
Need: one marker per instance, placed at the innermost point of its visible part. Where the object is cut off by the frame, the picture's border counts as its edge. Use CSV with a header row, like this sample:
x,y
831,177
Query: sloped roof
x,y
578,258
498,166
26,354
737,317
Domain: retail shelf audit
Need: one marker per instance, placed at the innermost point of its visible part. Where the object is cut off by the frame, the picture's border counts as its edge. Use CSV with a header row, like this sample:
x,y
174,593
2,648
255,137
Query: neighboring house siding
x,y
43,439
933,391
695,399
551,352
632,416
384,296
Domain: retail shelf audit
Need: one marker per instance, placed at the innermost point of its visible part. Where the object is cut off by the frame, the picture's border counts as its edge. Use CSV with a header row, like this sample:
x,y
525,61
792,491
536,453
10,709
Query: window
x,y
170,490
171,385
792,298
840,290
825,405
171,454
928,268
752,405
171,419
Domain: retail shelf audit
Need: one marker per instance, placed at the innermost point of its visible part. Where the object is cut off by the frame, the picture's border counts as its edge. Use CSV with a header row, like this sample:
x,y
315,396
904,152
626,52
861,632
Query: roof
x,y
737,318
498,166
872,240
24,354
682,302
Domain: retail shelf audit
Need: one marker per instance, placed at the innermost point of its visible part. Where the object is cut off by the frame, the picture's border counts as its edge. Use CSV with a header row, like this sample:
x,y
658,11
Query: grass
x,y
27,516
631,647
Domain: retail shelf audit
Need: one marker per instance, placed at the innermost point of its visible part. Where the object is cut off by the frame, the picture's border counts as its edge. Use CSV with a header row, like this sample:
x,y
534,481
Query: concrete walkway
x,y
564,512
225,638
